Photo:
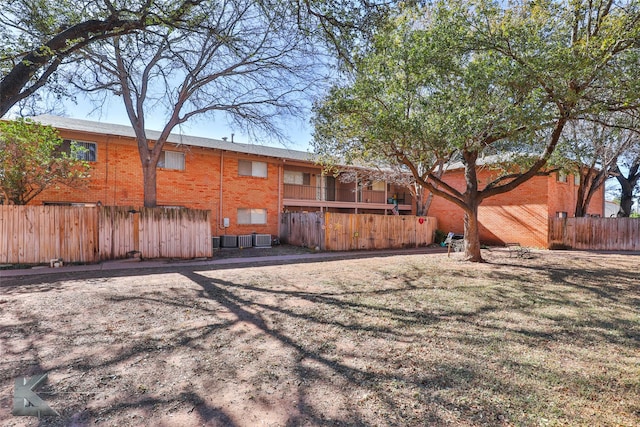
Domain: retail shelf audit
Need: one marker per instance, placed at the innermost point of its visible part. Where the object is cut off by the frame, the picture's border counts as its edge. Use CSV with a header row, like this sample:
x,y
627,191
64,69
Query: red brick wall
x,y
116,179
250,193
520,215
516,216
563,196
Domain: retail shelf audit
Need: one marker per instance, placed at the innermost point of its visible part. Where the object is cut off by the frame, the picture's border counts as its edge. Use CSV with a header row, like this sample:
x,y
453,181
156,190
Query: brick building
x,y
521,215
247,187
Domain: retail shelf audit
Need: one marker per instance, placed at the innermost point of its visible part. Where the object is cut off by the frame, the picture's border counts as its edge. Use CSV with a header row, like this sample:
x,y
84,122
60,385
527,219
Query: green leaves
x,y
463,76
31,161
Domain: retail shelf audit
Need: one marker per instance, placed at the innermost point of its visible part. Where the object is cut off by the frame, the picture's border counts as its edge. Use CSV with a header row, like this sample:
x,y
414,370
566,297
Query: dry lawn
x,y
382,341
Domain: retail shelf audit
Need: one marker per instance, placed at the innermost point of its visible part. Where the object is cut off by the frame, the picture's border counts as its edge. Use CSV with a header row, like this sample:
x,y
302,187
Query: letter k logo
x,y
26,402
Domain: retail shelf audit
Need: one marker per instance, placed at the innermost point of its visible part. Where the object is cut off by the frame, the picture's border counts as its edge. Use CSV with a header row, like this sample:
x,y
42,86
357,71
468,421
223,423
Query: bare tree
x,y
240,57
591,148
39,37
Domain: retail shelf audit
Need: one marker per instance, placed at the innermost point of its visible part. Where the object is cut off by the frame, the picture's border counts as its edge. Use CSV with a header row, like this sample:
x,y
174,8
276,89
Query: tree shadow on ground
x,y
443,367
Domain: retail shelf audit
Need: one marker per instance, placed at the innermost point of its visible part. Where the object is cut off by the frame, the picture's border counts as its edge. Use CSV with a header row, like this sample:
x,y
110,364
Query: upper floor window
x,y
298,178
80,150
576,179
249,168
377,186
562,177
171,160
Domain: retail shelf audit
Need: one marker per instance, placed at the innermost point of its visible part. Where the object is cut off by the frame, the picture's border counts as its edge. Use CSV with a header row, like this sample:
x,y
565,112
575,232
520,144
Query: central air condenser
x,y
228,241
262,240
245,241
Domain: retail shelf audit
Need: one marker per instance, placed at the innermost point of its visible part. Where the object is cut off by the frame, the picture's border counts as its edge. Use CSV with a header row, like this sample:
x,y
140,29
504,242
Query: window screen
x,y
562,177
171,160
252,216
86,151
248,168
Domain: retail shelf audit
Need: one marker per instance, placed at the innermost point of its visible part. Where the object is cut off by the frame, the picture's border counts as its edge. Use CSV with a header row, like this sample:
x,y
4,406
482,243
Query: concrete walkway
x,y
136,264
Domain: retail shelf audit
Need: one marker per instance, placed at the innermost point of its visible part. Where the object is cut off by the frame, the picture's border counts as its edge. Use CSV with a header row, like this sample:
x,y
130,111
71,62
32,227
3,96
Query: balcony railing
x,y
308,192
301,192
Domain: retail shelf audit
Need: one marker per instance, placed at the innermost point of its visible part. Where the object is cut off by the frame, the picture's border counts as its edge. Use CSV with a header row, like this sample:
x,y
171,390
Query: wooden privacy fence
x,y
606,234
37,234
343,232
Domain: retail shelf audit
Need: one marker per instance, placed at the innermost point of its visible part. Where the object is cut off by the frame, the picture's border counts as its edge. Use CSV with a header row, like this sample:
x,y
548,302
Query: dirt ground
x,y
378,341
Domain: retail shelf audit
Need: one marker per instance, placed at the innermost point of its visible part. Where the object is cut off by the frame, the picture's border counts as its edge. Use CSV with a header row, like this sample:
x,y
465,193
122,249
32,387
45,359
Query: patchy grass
x,y
404,340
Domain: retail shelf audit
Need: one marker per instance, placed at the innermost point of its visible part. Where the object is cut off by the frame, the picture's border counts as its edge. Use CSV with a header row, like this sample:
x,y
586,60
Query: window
x,y
378,186
561,214
82,150
576,179
562,177
171,160
298,178
248,168
252,216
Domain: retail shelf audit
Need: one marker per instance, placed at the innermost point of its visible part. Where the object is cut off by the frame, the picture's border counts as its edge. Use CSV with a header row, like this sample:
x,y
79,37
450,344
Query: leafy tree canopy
x,y
31,160
464,80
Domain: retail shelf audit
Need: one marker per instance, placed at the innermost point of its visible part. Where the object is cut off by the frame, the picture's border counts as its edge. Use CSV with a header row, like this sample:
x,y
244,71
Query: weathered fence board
x,y
303,229
37,234
174,233
607,234
343,232
115,232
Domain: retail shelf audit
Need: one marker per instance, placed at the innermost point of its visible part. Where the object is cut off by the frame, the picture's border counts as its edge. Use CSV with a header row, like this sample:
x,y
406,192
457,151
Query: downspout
x,y
280,173
356,194
386,196
220,219
323,192
106,172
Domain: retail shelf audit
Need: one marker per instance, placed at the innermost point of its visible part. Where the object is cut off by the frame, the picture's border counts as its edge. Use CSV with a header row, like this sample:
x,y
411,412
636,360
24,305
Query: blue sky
x,y
207,126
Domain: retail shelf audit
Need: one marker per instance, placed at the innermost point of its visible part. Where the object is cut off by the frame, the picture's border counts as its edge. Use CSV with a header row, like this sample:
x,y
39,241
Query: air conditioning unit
x,y
245,241
228,241
262,240
215,242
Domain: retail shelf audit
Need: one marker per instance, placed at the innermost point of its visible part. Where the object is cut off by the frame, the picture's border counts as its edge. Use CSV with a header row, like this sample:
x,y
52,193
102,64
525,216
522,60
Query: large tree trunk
x,y
471,229
590,182
581,203
150,196
472,235
626,201
627,183
427,204
422,204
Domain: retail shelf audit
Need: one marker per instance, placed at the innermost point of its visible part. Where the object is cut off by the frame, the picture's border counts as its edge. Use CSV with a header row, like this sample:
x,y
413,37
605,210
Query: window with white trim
x,y
249,168
576,179
87,151
252,216
171,160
